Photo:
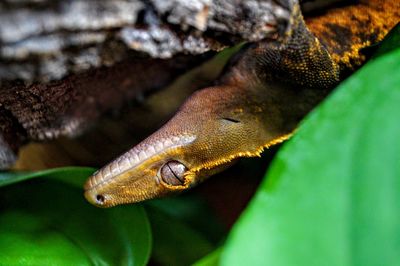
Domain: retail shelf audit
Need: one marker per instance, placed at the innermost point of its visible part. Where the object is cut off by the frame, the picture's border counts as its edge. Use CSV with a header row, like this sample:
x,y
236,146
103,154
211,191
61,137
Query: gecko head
x,y
213,128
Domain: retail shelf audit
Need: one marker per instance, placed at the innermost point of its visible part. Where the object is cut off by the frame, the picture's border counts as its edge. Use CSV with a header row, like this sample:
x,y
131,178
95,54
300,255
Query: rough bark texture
x,y
50,39
64,63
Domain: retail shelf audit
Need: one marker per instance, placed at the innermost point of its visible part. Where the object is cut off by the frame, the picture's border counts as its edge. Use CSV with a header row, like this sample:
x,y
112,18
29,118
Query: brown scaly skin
x,y
258,101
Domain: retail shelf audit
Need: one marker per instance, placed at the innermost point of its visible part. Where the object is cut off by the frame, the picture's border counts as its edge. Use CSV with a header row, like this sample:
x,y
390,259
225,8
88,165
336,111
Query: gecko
x,y
265,90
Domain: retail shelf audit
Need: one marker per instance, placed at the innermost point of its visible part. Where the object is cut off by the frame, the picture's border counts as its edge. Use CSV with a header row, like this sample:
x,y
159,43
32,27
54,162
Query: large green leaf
x,y
48,222
332,196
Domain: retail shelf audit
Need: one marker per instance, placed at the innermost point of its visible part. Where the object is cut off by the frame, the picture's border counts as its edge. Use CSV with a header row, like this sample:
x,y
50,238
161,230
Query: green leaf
x,y
192,211
48,222
211,259
332,196
73,175
390,43
175,242
184,229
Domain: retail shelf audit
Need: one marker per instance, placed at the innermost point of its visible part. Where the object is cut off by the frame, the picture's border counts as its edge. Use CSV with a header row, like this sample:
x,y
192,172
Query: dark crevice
x,y
312,8
11,129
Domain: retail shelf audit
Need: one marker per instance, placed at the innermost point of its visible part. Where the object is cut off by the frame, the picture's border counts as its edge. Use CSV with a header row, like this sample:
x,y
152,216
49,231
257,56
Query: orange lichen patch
x,y
346,30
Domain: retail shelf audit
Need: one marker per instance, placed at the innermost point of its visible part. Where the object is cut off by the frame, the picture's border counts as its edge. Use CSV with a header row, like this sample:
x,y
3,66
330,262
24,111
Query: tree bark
x,y
65,63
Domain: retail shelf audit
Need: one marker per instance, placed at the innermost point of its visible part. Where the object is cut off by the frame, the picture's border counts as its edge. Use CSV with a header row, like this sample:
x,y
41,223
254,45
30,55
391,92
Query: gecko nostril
x,y
100,199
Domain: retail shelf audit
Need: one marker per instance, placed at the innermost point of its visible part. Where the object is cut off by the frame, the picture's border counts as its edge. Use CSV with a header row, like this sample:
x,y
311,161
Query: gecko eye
x,y
172,173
